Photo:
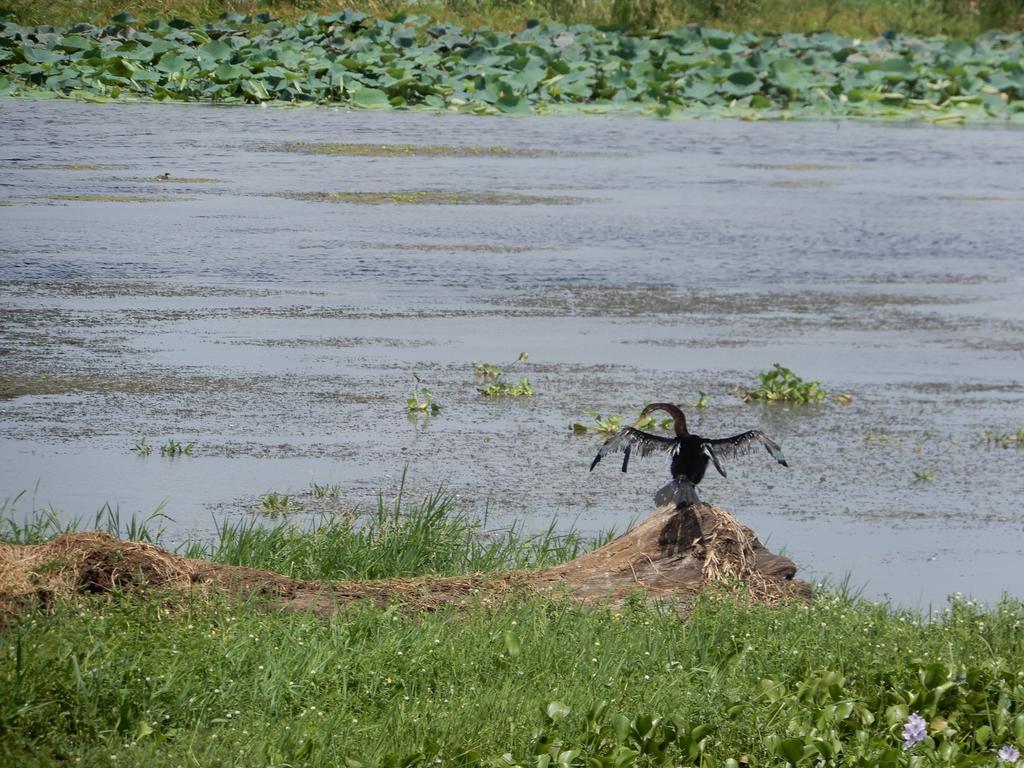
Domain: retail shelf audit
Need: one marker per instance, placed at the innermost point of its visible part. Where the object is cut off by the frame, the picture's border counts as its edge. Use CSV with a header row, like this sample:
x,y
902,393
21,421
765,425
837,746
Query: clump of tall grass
x,y
401,539
43,524
398,540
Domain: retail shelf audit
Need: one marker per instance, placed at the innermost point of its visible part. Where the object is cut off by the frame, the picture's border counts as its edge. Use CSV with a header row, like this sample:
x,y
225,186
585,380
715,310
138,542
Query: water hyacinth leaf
x,y
792,750
512,645
556,710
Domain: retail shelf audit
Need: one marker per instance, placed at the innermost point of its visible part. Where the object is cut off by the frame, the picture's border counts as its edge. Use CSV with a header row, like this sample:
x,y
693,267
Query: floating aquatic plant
x,y
609,425
174,448
274,503
330,491
496,385
1008,754
602,425
421,400
998,439
142,447
913,731
780,384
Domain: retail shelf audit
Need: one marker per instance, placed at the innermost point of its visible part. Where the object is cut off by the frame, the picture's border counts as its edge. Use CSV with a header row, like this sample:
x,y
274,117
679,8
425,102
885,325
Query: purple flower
x,y
913,731
1008,754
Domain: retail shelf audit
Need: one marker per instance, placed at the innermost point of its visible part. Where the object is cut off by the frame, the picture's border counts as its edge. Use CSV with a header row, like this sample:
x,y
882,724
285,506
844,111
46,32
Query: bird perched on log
x,y
690,453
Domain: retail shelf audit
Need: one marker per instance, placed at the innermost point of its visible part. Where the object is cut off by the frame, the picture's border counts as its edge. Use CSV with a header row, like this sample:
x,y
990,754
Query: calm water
x,y
666,258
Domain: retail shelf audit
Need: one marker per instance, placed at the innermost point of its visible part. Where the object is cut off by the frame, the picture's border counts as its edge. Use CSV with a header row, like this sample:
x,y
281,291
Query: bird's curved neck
x,y
678,418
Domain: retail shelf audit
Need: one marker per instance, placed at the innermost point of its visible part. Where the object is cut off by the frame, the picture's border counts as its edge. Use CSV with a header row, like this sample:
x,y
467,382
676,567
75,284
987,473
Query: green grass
x,y
190,681
43,524
218,684
398,540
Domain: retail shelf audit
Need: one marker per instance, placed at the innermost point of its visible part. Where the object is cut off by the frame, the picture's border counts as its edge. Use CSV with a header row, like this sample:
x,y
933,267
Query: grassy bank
x,y
857,18
190,681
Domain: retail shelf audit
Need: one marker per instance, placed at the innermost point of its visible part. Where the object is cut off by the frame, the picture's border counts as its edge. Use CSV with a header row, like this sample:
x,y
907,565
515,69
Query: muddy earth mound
x,y
673,553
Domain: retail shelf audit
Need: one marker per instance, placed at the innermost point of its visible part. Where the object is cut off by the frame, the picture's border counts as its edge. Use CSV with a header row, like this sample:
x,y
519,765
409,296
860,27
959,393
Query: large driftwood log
x,y
675,552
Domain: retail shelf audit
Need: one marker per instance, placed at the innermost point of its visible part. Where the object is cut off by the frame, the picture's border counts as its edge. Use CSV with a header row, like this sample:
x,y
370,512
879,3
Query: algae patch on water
x,y
802,184
167,179
427,197
403,150
802,167
14,385
96,198
82,167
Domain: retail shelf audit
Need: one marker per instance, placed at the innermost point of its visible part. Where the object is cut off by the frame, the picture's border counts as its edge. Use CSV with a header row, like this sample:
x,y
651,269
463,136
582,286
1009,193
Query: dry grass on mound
x,y
674,553
84,563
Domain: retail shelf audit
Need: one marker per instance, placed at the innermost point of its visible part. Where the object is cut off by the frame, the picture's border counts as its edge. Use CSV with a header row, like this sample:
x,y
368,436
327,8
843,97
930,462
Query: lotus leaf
x,y
35,55
741,83
369,98
172,62
790,74
408,61
897,69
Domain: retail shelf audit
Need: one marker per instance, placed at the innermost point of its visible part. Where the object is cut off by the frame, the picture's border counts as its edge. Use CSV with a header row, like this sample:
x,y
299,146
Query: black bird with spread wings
x,y
690,453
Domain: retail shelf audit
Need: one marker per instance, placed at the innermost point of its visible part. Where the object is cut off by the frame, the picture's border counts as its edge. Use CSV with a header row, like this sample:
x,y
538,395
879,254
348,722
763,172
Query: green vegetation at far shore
x,y
856,18
414,62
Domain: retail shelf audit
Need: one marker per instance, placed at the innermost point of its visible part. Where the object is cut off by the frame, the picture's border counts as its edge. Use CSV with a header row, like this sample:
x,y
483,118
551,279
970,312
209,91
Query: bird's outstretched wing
x,y
630,441
737,445
711,455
